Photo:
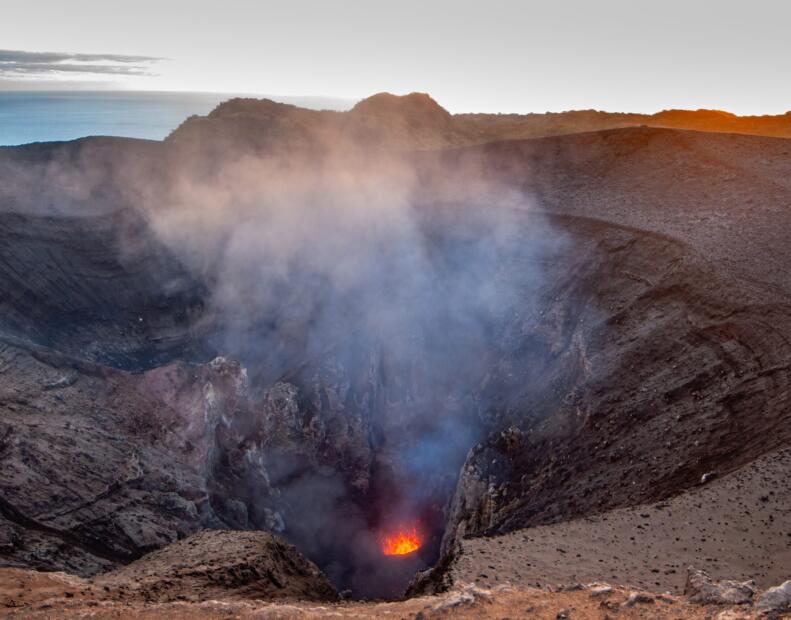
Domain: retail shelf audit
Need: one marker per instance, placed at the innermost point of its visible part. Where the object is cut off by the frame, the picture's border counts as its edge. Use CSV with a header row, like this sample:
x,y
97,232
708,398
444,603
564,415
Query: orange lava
x,y
402,542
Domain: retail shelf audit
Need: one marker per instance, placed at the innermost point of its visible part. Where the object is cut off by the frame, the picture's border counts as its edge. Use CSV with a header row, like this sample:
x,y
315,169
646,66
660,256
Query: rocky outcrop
x,y
700,588
777,599
472,508
108,465
413,121
378,124
220,565
98,470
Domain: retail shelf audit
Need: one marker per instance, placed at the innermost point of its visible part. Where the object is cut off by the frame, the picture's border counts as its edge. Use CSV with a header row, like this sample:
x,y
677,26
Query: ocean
x,y
44,116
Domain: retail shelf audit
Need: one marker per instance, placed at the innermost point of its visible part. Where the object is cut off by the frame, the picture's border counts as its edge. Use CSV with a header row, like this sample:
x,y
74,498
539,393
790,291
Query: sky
x,y
486,56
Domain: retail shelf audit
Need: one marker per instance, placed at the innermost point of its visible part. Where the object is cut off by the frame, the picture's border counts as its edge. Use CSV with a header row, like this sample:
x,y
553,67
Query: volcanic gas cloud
x,y
369,301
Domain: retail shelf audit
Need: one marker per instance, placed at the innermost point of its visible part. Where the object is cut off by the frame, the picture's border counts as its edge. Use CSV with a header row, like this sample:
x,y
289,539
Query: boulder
x,y
776,599
638,598
466,595
700,588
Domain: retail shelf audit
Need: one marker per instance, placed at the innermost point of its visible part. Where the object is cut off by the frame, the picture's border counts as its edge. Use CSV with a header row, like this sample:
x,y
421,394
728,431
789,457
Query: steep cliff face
x,y
99,288
677,376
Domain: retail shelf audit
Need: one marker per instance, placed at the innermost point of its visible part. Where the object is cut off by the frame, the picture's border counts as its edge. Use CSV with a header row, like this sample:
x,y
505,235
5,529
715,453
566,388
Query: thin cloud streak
x,y
32,65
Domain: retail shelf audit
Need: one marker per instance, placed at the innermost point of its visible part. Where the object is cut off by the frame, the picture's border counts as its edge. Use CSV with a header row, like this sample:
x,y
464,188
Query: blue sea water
x,y
44,116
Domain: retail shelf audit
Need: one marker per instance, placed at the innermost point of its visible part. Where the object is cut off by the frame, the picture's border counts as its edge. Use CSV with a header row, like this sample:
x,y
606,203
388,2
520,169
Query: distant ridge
x,y
417,121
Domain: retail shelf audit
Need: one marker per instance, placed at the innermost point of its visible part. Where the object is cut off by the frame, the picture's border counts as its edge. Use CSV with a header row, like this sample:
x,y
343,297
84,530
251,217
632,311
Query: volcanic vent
x,y
402,541
366,393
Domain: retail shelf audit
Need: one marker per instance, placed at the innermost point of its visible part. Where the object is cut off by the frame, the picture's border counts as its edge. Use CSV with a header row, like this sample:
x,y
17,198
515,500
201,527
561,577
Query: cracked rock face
x,y
90,478
109,467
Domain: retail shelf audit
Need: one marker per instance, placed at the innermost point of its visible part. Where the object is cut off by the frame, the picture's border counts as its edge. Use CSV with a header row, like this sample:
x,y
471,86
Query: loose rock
x,y
776,599
703,590
638,598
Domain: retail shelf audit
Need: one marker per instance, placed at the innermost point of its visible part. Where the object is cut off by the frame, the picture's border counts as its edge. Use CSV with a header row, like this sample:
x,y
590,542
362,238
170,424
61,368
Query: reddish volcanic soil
x,y
41,596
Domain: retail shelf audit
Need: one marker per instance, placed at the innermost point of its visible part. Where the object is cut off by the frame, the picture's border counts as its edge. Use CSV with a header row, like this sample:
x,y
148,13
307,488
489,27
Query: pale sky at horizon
x,y
496,56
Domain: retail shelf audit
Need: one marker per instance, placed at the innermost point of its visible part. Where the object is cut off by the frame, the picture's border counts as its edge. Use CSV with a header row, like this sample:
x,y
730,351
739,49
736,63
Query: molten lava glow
x,y
402,542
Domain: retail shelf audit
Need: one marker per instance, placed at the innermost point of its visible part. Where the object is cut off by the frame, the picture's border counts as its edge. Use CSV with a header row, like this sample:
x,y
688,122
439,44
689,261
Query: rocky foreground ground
x,y
25,594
